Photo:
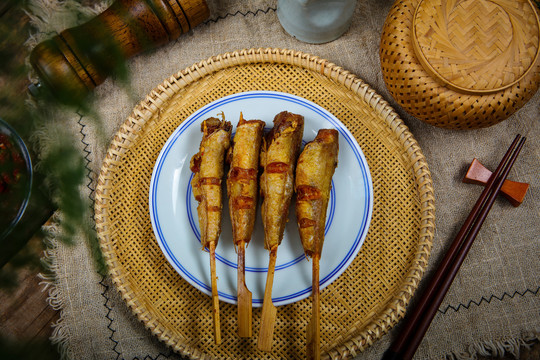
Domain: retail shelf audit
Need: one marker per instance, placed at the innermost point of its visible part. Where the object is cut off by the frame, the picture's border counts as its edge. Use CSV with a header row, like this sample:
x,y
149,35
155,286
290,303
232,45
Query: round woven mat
x,y
361,305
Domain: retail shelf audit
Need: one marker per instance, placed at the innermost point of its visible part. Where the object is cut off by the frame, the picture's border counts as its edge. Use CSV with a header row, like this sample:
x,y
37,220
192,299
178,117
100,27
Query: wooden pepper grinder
x,y
74,62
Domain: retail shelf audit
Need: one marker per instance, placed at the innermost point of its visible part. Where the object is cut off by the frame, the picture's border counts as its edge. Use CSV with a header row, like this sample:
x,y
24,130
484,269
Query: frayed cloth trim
x,y
67,13
498,349
61,334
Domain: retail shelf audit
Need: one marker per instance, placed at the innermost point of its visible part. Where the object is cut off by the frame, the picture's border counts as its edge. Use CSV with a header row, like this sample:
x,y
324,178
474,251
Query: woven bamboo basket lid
x,y
361,305
462,63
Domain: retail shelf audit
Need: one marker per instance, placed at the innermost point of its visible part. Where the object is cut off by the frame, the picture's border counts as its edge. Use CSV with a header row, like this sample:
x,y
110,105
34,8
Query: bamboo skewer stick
x,y
269,311
215,298
314,326
244,295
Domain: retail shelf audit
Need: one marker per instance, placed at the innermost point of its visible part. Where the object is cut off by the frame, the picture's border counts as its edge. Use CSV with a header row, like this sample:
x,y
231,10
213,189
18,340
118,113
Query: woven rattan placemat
x,y
362,304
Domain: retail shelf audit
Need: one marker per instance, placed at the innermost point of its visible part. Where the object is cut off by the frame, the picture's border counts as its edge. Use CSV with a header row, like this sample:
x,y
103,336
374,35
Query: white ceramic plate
x,y
173,209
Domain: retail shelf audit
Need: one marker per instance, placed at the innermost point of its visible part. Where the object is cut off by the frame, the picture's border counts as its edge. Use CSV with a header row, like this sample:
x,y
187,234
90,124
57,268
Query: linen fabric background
x,y
493,304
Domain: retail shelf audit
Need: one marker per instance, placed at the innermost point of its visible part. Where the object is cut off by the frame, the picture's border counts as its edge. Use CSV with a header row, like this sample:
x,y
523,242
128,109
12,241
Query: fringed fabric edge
x,y
498,348
60,335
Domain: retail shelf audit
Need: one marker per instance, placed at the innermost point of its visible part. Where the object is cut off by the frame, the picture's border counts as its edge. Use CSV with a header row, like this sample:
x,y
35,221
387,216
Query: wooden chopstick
x,y
417,323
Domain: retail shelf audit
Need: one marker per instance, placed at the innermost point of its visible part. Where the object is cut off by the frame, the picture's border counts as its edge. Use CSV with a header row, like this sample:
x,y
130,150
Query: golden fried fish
x,y
278,159
242,188
314,171
208,167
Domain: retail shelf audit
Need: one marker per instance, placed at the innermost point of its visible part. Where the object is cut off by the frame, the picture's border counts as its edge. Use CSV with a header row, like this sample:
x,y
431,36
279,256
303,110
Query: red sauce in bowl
x,y
15,178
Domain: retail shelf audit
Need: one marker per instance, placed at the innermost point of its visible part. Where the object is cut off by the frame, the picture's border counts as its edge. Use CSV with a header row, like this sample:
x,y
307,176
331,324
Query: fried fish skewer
x,y
314,171
207,166
242,191
278,158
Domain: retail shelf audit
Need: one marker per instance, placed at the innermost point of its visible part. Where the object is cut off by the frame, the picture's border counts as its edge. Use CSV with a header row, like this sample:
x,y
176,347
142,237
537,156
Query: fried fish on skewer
x,y
242,192
207,166
314,171
278,158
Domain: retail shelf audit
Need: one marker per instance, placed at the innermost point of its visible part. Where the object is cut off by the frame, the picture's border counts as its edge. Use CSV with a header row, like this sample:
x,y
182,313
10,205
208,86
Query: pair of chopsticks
x,y
416,324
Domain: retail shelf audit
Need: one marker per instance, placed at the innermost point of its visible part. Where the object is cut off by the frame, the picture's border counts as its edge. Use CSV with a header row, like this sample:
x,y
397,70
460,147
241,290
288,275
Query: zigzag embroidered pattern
x,y
109,309
488,300
148,357
88,161
222,17
111,337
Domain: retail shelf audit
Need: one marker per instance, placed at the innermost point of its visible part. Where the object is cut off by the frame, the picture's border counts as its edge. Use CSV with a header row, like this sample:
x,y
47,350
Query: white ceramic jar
x,y
315,21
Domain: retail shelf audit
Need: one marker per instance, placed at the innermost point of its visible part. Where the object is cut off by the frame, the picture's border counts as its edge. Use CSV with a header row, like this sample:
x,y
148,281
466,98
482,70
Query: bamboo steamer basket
x,y
461,64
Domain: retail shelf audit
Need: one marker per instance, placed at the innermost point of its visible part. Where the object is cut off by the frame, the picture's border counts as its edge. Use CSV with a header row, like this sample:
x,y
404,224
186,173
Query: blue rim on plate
x,y
176,228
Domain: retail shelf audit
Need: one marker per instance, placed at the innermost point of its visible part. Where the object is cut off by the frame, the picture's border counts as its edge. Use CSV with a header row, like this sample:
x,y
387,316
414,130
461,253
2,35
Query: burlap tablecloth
x,y
493,304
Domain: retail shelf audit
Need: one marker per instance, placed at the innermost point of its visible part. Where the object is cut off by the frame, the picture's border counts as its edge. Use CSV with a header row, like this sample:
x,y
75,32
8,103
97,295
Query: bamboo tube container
x,y
74,62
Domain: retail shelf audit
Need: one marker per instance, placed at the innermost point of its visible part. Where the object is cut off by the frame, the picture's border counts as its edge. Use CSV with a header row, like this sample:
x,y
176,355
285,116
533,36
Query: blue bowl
x,y
15,178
